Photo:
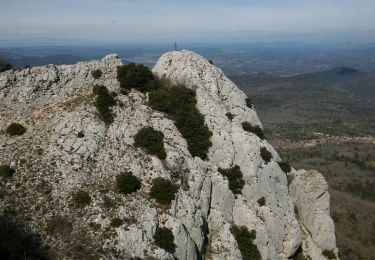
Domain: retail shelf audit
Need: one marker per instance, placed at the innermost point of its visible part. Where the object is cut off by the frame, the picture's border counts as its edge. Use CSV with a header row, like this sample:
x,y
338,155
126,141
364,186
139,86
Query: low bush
x,y
164,239
253,129
261,201
96,74
138,77
103,102
60,225
245,241
230,116
152,141
179,102
285,167
299,255
127,183
329,254
163,191
81,198
6,171
18,242
234,176
15,129
265,154
80,135
249,102
116,222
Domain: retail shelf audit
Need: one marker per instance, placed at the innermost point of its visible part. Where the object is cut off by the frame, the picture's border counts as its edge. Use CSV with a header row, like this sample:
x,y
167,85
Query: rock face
x,y
52,161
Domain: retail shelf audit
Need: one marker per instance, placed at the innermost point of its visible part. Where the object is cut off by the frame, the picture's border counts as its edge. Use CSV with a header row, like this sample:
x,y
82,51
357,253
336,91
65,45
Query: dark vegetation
x,y
59,225
163,191
6,171
179,103
96,74
18,242
249,102
329,254
265,154
230,116
261,201
127,183
116,222
253,129
103,102
4,66
164,239
152,141
299,255
135,76
80,135
285,167
15,129
234,176
245,241
81,198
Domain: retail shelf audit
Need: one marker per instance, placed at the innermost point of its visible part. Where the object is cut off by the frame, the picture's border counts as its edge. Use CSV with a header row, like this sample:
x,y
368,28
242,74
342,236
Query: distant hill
x,y
22,61
4,66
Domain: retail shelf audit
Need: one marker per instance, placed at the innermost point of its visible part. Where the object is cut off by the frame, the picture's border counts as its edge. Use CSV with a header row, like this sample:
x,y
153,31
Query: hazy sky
x,y
147,20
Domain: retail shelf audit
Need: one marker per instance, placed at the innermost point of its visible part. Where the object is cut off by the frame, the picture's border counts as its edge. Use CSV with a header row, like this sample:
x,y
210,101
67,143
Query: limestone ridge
x,y
67,148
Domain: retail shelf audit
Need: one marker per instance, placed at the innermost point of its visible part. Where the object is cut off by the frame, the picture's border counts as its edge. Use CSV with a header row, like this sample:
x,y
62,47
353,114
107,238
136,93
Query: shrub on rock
x,y
245,241
253,129
284,165
179,102
136,76
261,201
265,154
230,116
127,183
234,176
163,191
103,102
329,254
15,129
249,102
152,141
6,171
164,239
96,74
81,198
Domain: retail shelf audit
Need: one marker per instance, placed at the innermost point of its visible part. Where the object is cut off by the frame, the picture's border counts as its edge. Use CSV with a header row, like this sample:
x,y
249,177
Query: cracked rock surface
x,y
67,148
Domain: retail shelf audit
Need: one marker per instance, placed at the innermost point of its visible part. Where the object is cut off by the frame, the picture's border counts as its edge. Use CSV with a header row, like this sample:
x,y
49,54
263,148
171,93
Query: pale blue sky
x,y
148,20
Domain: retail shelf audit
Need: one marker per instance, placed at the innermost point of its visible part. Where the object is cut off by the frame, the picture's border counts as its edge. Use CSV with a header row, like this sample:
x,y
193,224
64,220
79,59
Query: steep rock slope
x,y
67,148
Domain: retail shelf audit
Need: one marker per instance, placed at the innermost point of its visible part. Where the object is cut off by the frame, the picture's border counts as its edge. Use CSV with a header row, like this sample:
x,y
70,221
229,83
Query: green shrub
x,y
80,135
15,129
152,141
265,154
179,102
245,241
284,165
135,76
230,116
261,201
60,225
18,242
163,191
6,171
253,129
96,74
81,198
116,222
164,239
329,254
103,102
249,103
127,183
299,255
234,176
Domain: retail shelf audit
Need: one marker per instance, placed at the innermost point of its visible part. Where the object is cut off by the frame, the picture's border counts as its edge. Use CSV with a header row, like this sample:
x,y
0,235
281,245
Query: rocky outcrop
x,y
309,191
52,161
